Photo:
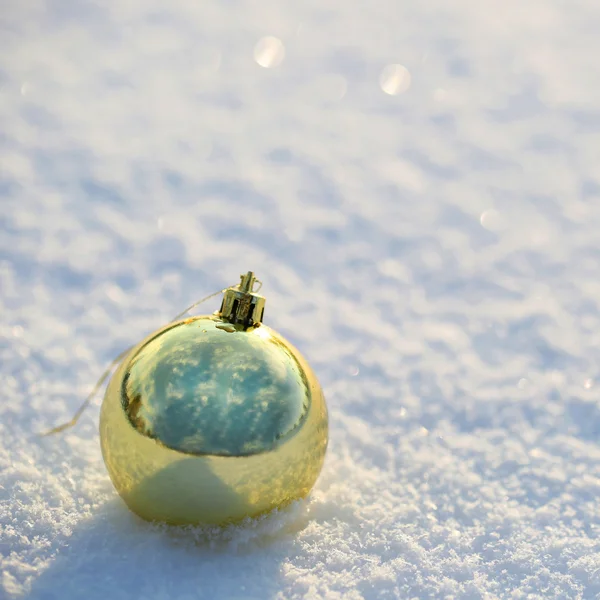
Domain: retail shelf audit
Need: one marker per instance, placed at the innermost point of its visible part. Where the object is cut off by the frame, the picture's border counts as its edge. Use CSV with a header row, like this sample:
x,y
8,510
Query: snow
x,y
417,186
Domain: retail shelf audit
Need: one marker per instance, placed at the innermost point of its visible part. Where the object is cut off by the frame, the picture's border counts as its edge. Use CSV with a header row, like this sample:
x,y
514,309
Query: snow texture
x,y
416,183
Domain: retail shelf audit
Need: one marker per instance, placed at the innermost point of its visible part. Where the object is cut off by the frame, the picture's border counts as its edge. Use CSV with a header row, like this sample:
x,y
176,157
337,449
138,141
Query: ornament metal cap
x,y
241,304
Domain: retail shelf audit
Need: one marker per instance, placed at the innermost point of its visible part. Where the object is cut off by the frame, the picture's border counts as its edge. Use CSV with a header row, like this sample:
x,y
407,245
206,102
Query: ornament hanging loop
x,y
108,371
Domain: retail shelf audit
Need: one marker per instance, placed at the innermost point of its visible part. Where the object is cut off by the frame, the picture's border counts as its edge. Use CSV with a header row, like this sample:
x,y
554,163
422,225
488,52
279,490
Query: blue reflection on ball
x,y
202,388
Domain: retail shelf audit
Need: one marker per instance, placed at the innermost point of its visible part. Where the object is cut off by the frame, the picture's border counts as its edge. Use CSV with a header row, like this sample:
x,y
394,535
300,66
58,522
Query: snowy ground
x,y
428,236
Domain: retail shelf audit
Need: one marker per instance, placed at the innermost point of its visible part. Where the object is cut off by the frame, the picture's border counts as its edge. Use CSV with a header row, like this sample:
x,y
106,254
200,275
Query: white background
x,y
428,236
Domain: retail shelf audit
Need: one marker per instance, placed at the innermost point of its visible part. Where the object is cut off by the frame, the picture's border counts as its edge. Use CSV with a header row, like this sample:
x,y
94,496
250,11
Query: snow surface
x,y
433,251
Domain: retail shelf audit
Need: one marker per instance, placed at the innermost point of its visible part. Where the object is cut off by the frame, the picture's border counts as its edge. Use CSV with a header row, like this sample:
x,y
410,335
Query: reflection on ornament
x,y
214,418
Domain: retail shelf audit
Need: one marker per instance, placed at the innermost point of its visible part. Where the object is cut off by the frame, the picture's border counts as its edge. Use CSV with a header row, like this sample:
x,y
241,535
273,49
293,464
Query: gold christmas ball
x,y
214,418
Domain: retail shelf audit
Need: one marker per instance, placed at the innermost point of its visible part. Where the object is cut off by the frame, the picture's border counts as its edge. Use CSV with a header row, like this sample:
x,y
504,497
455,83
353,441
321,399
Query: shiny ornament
x,y
214,418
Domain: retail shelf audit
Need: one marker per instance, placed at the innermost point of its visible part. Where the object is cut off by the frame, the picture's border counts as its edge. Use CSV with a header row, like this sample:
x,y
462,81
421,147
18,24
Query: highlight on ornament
x,y
212,418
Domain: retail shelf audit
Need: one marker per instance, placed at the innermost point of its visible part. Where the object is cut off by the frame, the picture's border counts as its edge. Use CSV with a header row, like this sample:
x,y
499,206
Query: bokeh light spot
x,y
395,79
269,52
